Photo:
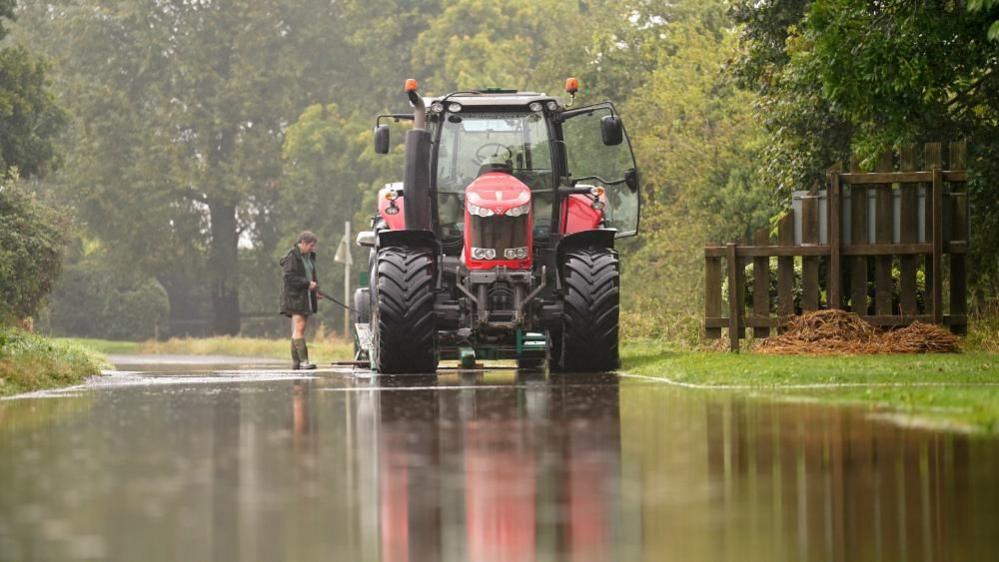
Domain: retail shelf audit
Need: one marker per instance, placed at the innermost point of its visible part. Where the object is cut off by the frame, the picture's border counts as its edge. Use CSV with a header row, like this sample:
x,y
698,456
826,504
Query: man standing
x,y
300,294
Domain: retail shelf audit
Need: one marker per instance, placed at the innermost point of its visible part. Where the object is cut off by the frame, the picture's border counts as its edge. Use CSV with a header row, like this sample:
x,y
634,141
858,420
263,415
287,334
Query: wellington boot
x,y
303,354
296,363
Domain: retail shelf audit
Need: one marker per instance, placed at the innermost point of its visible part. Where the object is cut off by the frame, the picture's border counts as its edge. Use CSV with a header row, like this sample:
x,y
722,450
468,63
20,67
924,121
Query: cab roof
x,y
493,97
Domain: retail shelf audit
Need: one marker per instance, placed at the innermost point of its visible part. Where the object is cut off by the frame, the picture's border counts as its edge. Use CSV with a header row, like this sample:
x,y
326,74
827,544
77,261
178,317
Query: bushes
x,y
29,362
94,302
32,244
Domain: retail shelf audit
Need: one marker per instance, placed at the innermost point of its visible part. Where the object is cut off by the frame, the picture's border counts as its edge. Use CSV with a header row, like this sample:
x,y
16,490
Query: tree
x,y
181,109
32,243
29,116
698,144
913,73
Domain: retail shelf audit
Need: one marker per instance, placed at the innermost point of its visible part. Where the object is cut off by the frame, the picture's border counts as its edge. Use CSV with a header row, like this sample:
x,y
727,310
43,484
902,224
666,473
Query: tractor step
x,y
531,344
362,333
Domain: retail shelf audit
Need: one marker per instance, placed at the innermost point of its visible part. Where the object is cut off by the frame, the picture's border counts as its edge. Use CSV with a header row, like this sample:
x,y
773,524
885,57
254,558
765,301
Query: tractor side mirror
x,y
631,179
611,130
382,139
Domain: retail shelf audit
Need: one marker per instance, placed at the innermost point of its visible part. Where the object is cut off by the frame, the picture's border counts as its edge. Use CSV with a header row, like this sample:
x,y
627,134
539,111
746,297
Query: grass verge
x,y
320,351
945,389
29,362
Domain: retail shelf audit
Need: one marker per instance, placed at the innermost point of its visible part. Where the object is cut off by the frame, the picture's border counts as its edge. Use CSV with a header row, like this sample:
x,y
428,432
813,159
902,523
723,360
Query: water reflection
x,y
515,474
488,467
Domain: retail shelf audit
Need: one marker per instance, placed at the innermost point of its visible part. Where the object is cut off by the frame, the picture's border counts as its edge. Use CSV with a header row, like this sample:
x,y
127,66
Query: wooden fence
x,y
879,232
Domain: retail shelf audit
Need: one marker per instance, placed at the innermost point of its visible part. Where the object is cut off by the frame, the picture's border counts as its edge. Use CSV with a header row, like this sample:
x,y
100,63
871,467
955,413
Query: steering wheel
x,y
480,155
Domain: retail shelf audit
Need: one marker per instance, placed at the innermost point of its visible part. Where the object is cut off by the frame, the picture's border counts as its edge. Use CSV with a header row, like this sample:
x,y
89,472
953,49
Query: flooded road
x,y
225,463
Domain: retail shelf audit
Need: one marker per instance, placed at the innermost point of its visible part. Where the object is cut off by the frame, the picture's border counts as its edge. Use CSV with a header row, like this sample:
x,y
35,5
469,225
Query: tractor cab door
x,y
598,152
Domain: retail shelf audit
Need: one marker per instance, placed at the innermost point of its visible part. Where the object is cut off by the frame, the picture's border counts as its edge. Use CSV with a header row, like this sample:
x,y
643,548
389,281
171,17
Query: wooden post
x,y
734,297
909,234
858,236
761,286
959,231
833,220
712,295
937,257
785,269
932,158
810,264
883,235
347,296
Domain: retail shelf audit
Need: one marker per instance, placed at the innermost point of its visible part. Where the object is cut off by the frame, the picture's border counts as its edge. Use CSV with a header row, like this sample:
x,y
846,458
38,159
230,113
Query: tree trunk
x,y
224,269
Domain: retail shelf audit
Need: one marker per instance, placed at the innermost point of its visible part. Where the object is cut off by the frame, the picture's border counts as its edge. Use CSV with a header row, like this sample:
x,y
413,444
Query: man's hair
x,y
307,236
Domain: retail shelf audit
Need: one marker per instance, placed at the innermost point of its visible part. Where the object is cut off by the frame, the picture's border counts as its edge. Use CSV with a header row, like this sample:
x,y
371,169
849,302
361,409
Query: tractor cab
x,y
502,190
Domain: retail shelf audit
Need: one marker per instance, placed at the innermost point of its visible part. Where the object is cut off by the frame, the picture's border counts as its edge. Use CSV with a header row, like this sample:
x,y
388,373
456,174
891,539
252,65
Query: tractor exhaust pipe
x,y
416,179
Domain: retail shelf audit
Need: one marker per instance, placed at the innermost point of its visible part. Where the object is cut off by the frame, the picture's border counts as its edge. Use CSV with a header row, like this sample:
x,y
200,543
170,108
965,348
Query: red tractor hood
x,y
496,235
497,191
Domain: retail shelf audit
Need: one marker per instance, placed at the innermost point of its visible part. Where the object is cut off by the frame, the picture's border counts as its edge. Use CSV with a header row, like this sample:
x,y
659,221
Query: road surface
x,y
178,459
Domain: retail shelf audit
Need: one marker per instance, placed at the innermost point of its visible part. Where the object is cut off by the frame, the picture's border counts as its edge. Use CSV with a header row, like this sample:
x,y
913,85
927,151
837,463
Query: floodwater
x,y
192,464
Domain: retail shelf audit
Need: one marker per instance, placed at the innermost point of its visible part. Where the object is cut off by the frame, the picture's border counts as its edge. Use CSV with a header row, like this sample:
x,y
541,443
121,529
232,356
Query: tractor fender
x,y
408,238
598,238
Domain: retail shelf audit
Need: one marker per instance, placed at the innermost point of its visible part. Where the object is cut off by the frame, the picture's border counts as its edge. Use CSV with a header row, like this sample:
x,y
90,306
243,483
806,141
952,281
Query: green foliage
x,y
32,244
29,115
474,44
6,11
697,145
976,5
180,112
29,362
842,76
94,301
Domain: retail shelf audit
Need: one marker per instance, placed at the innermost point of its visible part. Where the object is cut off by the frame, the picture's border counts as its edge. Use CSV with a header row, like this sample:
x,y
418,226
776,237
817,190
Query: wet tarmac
x,y
225,462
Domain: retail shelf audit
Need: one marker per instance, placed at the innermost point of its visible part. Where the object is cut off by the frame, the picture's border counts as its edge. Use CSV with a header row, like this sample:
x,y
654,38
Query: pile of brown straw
x,y
827,332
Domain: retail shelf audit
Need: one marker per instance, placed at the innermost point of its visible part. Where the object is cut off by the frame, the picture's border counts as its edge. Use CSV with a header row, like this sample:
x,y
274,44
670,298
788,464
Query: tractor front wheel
x,y
403,324
590,310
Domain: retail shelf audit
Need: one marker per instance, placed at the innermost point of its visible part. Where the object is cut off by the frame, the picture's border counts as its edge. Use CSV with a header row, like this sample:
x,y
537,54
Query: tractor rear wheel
x,y
403,324
590,310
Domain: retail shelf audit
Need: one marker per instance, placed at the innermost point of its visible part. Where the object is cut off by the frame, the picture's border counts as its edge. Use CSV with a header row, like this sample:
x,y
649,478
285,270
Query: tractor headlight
x,y
515,253
437,107
483,253
519,211
480,211
535,106
552,106
454,107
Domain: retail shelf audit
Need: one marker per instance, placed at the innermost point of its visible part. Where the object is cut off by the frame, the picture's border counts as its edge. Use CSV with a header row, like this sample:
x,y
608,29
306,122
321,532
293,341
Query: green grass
x,y
320,351
29,362
947,389
103,346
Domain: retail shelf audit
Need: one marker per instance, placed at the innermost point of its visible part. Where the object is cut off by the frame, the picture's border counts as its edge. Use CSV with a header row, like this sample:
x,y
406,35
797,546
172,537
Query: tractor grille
x,y
500,232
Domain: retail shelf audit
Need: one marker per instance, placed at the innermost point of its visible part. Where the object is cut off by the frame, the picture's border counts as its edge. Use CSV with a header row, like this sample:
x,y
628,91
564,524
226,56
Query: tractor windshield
x,y
470,140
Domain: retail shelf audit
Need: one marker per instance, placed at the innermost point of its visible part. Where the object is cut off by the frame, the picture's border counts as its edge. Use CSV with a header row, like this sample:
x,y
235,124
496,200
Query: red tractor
x,y
499,241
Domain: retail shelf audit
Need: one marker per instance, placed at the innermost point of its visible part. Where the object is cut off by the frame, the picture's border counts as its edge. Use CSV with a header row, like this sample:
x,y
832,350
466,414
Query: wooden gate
x,y
872,242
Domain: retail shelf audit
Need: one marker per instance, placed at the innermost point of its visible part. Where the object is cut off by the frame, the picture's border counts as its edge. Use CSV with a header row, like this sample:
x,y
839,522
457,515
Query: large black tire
x,y
403,324
555,351
590,310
